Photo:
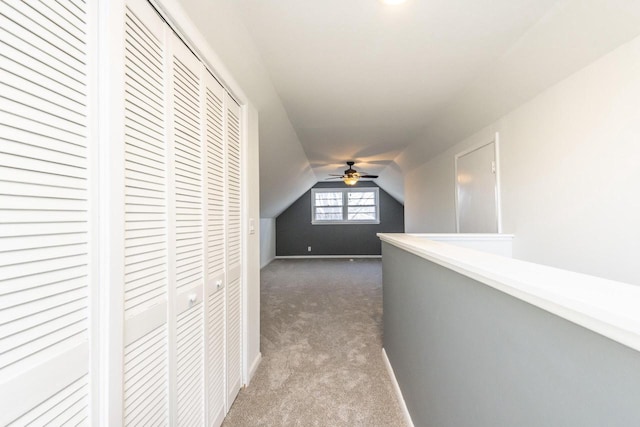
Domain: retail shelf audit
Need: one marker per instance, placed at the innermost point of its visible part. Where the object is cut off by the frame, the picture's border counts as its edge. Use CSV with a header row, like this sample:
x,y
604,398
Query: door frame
x,y
496,142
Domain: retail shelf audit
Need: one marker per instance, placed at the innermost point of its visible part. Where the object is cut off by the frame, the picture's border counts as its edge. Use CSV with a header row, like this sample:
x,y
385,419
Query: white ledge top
x,y
607,307
442,237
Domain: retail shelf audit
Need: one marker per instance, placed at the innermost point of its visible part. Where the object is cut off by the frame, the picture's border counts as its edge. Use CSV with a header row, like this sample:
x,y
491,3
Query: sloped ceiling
x,y
389,87
570,36
285,172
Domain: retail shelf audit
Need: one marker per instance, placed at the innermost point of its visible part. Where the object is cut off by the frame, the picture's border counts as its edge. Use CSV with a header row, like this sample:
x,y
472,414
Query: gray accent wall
x,y
465,354
294,231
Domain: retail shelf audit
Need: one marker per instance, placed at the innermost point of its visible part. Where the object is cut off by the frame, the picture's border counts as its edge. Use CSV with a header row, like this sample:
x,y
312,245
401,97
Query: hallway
x,y
321,334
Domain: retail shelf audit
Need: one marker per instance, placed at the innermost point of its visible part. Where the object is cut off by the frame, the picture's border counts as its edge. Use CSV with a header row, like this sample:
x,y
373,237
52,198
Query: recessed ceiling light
x,y
392,2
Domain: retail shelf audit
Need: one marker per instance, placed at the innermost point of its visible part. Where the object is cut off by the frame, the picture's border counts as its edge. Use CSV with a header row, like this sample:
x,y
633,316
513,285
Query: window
x,y
345,206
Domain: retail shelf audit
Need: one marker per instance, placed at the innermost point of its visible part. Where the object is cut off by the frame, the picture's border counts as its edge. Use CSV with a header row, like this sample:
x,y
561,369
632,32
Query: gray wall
x,y
465,354
294,231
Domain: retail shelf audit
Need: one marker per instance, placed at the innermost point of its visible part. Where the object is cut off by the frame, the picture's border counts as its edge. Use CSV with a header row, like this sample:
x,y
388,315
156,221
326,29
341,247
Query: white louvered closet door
x,y
46,213
188,192
215,248
234,249
146,244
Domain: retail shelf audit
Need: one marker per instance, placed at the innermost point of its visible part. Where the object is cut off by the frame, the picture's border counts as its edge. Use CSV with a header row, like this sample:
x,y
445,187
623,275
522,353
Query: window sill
x,y
345,222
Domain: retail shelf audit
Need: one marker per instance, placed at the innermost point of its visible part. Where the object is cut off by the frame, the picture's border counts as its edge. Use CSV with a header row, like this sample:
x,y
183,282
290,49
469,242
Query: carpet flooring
x,y
321,336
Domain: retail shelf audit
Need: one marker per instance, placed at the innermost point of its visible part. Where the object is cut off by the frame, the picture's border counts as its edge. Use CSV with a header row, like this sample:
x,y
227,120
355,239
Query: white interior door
x,y
477,190
172,232
215,249
145,379
46,213
188,196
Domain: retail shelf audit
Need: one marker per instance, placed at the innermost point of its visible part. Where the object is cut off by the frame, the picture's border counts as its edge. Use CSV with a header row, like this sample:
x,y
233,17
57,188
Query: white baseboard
x,y
396,387
326,256
267,263
254,367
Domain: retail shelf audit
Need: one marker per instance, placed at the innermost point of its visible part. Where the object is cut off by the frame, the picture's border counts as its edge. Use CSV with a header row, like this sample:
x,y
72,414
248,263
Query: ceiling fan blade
x,y
368,176
335,177
334,174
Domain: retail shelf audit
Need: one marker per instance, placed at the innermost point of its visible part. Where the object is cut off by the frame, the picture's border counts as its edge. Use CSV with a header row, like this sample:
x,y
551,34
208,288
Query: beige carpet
x,y
321,325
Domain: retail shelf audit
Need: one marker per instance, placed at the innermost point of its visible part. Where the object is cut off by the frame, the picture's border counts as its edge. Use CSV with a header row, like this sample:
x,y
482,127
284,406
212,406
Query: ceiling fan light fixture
x,y
351,180
352,176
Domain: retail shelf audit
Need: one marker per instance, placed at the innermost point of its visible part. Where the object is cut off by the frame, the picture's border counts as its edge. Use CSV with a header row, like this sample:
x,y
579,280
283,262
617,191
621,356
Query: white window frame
x,y
345,205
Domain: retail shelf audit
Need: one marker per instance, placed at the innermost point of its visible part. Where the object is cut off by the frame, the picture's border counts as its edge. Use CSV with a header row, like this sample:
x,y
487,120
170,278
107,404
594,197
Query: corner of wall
x,y
267,241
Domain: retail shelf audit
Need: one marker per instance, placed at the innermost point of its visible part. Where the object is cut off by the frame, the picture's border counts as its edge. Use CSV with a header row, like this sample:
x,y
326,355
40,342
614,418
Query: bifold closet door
x,y
189,238
234,249
182,289
215,248
47,183
146,386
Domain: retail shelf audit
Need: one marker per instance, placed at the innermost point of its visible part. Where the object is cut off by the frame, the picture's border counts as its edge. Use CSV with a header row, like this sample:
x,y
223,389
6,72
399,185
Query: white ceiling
x,y
389,87
360,79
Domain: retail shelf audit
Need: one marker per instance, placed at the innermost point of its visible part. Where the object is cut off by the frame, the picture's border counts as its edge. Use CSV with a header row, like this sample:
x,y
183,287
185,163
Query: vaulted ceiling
x,y
389,86
360,79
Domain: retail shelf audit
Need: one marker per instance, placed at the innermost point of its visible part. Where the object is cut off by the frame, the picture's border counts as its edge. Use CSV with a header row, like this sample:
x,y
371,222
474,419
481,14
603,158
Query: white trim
x,y
244,241
111,123
603,306
496,142
325,256
95,79
396,388
253,368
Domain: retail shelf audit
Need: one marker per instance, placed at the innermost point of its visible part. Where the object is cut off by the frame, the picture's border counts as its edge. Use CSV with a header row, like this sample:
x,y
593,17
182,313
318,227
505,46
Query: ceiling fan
x,y
351,176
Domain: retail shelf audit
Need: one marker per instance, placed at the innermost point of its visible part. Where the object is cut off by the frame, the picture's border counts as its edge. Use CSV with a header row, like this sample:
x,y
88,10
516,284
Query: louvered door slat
x,y
13,122
233,184
233,249
188,177
30,45
63,35
216,358
146,184
215,178
27,58
215,248
190,366
38,105
20,39
145,378
45,214
234,340
64,16
146,398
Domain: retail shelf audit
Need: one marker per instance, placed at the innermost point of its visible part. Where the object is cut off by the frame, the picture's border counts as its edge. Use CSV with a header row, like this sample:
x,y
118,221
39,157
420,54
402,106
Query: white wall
x,y
252,268
267,240
392,181
570,173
